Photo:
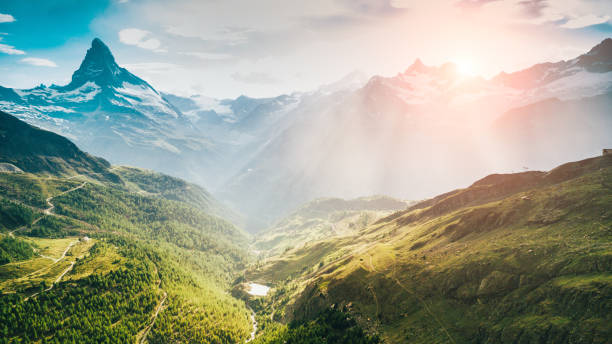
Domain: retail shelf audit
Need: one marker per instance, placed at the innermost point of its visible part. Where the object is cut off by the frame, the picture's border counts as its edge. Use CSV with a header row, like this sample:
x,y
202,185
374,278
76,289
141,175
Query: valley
x,y
455,269
67,251
421,205
450,269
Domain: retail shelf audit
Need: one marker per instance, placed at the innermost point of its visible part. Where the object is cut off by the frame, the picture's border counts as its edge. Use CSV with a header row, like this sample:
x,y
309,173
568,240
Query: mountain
x,y
426,130
110,112
38,151
137,257
324,218
584,68
265,157
521,257
553,128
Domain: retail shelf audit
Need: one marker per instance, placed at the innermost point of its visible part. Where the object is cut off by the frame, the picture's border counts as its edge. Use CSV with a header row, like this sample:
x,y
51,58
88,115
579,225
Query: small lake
x,y
258,289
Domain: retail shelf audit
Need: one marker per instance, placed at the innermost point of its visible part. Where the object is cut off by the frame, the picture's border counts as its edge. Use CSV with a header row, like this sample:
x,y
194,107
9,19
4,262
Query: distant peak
x,y
99,53
602,48
97,44
599,58
417,66
99,66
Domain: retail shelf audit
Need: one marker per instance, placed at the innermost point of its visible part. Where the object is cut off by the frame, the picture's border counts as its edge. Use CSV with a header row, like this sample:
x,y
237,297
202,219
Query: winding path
x,y
55,260
47,211
141,336
144,335
59,278
254,321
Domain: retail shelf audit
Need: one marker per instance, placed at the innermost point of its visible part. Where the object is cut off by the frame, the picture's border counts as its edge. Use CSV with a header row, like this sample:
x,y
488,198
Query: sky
x,y
227,48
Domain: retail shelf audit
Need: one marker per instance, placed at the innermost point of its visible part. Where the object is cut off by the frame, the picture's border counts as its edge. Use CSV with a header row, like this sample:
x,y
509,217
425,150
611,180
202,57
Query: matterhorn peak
x,y
99,67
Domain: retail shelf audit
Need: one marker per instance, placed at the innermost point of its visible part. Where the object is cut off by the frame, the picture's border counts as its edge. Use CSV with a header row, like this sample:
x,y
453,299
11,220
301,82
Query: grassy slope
x,y
39,151
324,218
147,182
182,252
513,258
158,265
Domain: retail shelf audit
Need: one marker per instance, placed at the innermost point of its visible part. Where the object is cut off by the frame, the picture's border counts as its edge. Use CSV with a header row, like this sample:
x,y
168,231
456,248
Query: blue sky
x,y
267,47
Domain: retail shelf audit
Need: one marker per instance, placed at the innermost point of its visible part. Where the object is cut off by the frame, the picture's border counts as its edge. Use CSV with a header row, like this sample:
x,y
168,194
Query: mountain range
x,y
266,156
92,252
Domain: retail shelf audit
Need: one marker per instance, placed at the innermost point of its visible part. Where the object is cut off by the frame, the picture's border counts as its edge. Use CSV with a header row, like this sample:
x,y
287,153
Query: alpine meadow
x,y
320,172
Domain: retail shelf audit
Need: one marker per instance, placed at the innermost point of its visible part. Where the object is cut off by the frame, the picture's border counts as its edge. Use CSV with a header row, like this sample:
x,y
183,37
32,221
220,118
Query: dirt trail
x,y
49,211
55,260
254,321
145,333
141,337
59,278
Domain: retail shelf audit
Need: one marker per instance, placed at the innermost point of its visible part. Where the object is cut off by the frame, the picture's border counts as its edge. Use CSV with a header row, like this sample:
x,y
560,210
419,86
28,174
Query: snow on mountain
x,y
110,112
395,135
402,135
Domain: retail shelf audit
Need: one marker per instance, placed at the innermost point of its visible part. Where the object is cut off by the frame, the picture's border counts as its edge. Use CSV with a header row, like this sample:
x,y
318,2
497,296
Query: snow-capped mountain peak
x,y
98,66
105,99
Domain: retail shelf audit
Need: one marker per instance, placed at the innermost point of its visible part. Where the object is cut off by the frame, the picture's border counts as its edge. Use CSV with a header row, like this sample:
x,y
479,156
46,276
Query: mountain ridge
x,y
34,150
527,260
240,148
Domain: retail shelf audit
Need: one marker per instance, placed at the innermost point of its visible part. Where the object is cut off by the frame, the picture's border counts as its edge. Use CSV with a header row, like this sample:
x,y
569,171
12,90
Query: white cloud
x,y
9,49
207,56
35,61
6,18
584,21
140,38
152,67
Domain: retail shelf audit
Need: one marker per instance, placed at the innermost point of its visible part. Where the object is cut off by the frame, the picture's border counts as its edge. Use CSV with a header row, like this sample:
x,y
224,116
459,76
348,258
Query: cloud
x,y
9,49
6,18
231,35
152,67
374,7
35,61
140,38
473,3
334,22
584,21
533,8
207,56
254,78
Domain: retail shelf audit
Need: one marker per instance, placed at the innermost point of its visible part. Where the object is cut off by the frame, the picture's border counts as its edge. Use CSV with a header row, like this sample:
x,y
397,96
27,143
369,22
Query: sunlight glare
x,y
466,66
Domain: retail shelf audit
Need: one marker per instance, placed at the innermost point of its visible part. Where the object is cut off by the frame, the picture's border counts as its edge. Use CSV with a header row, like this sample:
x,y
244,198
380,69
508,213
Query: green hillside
x,y
39,151
91,253
516,258
147,182
322,219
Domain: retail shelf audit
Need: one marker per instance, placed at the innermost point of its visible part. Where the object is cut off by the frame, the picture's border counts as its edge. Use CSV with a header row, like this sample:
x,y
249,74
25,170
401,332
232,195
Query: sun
x,y
466,66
